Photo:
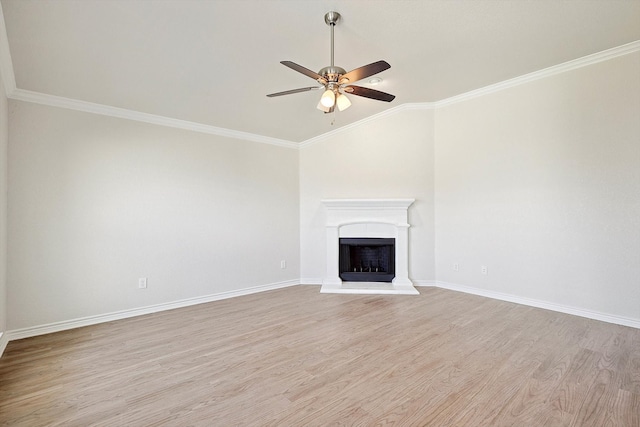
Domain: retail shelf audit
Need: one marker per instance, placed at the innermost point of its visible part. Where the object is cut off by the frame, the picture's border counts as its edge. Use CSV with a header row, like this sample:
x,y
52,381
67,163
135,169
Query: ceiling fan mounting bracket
x,y
331,18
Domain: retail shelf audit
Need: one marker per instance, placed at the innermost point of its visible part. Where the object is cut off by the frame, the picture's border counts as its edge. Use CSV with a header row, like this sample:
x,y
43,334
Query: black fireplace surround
x,y
367,259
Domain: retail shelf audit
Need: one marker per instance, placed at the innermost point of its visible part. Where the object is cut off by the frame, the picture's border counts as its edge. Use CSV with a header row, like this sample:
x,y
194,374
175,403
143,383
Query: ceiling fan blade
x,y
289,92
301,69
369,93
366,71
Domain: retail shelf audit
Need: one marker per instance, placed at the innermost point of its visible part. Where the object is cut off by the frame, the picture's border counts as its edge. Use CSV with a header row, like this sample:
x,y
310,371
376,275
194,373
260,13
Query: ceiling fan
x,y
336,81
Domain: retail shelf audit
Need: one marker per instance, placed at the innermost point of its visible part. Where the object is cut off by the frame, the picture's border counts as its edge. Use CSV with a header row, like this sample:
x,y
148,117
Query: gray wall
x,y
97,202
541,183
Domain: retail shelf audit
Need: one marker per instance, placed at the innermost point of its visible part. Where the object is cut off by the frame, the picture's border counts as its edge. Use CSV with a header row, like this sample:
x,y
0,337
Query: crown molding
x,y
385,113
106,110
605,55
6,64
366,204
8,79
12,92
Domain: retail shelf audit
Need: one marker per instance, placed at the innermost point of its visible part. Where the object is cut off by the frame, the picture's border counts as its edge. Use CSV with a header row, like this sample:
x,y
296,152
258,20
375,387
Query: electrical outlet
x,y
456,266
142,283
283,264
484,270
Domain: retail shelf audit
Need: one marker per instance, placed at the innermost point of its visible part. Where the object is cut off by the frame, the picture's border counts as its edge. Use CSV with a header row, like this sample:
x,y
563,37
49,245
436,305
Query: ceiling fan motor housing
x,y
332,73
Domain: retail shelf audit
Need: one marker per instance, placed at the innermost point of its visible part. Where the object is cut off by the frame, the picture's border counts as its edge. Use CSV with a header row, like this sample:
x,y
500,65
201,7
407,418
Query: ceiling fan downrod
x,y
331,73
331,18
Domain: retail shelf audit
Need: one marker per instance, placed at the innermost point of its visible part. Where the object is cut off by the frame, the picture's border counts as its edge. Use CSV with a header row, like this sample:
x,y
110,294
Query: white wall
x,y
541,183
96,202
390,157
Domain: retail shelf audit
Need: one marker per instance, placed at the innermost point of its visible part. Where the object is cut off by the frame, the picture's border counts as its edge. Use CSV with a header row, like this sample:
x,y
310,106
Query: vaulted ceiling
x,y
213,62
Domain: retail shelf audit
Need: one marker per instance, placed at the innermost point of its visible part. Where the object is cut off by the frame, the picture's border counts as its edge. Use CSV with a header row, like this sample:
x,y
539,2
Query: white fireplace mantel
x,y
381,218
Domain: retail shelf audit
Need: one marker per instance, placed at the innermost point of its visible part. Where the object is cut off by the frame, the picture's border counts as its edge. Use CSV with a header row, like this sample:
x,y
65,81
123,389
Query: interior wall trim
x,y
605,55
378,116
122,113
6,64
424,283
124,314
584,61
92,320
311,281
8,77
589,314
3,342
13,92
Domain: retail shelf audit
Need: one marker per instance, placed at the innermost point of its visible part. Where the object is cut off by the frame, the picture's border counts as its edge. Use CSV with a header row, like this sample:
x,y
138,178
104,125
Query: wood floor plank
x,y
297,357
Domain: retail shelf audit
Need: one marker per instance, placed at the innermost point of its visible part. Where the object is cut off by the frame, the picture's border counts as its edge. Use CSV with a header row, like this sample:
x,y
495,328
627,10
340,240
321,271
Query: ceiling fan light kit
x,y
328,98
336,81
343,102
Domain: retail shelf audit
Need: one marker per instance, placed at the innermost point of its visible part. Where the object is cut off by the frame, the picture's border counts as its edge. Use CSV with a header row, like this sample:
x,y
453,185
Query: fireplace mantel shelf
x,y
367,203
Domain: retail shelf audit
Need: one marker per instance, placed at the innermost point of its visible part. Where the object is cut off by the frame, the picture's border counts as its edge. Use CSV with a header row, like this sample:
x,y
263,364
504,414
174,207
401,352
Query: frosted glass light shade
x,y
322,107
328,98
343,102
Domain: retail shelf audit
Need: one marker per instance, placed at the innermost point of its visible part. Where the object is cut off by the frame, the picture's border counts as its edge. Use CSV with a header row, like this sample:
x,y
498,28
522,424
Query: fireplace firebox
x,y
367,259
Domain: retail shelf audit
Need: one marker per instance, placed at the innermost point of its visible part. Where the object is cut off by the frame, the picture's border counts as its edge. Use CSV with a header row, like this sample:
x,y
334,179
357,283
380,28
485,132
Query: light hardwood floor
x,y
295,357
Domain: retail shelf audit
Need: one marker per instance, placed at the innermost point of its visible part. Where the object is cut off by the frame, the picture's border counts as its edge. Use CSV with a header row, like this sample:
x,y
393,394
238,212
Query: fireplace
x,y
365,235
367,259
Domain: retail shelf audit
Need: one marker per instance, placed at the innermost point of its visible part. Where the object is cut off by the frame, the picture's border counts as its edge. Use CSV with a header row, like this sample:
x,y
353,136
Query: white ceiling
x,y
213,62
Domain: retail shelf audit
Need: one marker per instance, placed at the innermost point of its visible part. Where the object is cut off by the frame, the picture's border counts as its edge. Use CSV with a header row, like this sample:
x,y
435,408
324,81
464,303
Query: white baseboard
x,y
4,340
417,282
92,320
311,281
108,317
589,314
